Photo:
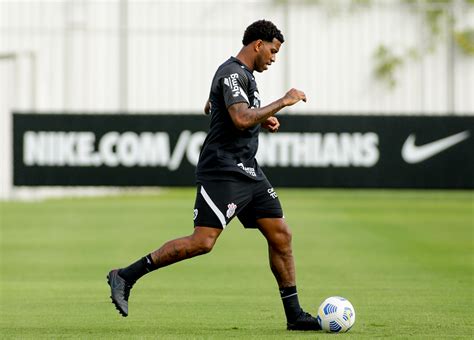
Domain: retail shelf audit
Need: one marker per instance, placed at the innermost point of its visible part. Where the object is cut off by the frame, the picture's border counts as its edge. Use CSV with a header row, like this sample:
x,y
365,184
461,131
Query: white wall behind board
x,y
172,49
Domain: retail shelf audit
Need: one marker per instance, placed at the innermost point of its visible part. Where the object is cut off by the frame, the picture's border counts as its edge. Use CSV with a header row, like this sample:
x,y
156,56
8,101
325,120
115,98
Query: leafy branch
x,y
439,17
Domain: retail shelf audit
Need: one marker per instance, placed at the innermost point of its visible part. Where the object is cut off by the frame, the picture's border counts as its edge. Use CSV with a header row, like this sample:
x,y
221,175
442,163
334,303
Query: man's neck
x,y
245,59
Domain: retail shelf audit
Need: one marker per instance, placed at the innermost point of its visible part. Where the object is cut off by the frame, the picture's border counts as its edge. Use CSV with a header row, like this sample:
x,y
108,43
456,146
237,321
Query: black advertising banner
x,y
107,149
308,151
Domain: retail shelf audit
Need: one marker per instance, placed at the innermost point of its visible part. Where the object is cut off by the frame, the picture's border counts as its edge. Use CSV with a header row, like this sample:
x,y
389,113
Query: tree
x,y
441,18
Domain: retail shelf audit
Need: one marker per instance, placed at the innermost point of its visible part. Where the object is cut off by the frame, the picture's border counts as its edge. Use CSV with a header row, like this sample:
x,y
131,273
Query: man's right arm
x,y
245,117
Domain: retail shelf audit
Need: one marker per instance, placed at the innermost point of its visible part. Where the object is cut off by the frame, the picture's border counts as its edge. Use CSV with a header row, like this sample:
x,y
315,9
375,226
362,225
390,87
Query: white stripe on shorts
x,y
214,208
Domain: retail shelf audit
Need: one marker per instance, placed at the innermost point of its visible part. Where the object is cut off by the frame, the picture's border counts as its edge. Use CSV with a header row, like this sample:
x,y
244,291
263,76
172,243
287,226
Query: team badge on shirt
x,y
230,210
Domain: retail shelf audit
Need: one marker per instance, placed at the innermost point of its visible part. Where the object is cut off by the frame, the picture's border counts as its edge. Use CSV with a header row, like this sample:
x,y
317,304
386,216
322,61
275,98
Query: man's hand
x,y
293,96
271,124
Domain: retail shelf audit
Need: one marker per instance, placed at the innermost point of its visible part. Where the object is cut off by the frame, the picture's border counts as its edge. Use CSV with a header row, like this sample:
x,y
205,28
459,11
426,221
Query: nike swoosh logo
x,y
415,154
115,285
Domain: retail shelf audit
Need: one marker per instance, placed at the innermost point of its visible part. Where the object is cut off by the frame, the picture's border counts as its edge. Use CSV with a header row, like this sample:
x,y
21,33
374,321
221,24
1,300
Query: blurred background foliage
x,y
441,19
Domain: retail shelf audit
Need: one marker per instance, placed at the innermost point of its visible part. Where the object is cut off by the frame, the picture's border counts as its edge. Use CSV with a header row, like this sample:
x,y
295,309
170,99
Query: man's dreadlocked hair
x,y
264,30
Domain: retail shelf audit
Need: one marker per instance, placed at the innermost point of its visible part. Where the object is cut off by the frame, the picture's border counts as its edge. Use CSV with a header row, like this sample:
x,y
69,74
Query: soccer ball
x,y
336,315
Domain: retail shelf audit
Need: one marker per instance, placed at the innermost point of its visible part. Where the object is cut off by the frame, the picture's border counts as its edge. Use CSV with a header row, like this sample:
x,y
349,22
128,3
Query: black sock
x,y
289,297
136,270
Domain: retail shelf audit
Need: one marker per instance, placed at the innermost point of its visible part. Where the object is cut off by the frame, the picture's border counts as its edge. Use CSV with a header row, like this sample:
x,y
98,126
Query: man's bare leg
x,y
282,264
200,242
279,236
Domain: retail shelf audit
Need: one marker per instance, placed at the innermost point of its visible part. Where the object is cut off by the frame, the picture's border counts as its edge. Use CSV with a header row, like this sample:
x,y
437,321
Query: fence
x,y
161,55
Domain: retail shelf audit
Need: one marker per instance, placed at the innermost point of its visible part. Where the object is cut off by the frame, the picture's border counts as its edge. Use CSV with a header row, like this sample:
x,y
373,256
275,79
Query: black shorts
x,y
219,201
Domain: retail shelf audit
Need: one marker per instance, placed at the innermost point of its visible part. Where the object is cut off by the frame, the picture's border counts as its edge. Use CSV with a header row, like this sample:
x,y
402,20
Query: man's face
x,y
266,54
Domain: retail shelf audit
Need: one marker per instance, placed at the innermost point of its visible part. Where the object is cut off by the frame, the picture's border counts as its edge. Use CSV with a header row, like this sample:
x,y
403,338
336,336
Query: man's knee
x,y
283,236
205,246
204,239
277,232
287,235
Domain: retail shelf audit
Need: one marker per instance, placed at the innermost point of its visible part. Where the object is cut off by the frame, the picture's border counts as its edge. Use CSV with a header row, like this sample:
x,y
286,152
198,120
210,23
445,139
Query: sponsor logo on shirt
x,y
272,193
237,91
233,83
249,170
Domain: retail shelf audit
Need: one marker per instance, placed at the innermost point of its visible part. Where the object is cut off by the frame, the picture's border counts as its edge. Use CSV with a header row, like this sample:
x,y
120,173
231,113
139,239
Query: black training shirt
x,y
228,150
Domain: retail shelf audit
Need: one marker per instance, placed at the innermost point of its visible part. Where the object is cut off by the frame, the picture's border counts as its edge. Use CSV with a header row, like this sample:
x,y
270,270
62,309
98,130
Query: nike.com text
x,y
153,149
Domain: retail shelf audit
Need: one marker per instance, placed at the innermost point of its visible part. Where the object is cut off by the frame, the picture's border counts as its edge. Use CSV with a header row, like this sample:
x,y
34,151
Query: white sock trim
x,y
286,297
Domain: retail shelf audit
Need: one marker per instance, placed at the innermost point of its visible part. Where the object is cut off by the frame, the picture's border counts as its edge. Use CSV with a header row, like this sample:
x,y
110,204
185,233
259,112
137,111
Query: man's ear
x,y
257,45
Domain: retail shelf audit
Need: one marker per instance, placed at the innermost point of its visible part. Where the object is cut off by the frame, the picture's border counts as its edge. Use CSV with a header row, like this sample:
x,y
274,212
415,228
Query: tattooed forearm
x,y
245,117
262,114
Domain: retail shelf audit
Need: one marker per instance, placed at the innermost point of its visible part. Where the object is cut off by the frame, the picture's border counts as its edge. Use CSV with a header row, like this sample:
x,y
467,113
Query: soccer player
x,y
229,180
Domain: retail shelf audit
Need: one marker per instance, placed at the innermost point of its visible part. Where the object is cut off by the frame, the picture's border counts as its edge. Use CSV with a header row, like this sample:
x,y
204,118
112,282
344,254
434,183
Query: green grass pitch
x,y
403,258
